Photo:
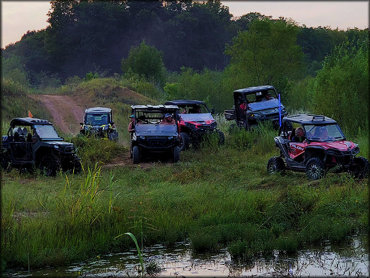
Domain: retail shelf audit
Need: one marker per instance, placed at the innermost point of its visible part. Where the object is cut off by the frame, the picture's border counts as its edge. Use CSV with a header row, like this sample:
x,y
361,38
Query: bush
x,y
341,88
92,151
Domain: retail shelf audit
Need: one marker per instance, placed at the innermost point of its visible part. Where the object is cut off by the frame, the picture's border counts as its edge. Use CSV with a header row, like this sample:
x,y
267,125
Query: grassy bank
x,y
217,197
16,103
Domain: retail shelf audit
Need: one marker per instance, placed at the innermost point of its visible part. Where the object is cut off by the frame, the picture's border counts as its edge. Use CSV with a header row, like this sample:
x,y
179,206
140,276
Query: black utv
x,y
98,122
315,144
34,143
255,104
195,120
155,130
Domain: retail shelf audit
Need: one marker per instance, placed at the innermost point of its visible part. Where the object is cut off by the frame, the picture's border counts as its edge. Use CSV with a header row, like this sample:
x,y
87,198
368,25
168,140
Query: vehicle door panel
x,y
296,149
21,151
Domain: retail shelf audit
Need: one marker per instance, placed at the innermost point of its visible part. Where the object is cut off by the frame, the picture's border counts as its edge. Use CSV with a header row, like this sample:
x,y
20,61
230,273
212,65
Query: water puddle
x,y
350,259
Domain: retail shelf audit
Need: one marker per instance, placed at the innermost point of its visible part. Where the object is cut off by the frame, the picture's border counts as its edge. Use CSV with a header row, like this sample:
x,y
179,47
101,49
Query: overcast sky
x,y
20,16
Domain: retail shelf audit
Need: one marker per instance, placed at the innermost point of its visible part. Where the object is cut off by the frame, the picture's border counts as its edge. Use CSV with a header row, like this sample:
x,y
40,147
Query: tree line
x,y
94,36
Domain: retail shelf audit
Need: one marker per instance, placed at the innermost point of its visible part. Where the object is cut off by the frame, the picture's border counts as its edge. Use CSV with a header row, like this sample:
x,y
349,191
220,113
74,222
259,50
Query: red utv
x,y
195,120
315,144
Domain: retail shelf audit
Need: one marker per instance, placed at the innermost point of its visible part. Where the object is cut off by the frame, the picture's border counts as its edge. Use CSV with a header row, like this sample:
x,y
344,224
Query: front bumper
x,y
157,143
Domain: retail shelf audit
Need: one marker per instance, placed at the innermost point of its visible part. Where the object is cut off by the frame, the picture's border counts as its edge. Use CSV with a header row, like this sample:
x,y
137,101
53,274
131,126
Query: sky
x,y
18,17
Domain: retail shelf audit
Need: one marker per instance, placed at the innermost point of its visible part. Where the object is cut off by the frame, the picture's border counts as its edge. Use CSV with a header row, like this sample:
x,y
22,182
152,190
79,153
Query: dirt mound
x,y
66,113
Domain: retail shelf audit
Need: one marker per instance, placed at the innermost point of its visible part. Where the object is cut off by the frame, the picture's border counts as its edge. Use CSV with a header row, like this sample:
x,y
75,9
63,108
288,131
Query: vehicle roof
x,y
98,110
184,102
155,107
29,121
251,90
309,119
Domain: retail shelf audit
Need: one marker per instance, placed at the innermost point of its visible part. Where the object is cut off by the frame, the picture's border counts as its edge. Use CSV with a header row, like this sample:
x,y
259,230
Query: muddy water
x,y
350,259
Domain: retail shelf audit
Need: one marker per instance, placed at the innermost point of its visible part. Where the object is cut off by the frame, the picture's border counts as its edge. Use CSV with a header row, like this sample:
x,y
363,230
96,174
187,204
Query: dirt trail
x,y
66,113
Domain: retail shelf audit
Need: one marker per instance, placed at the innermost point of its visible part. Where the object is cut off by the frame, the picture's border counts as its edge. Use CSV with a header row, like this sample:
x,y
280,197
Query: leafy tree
x,y
341,88
267,54
146,61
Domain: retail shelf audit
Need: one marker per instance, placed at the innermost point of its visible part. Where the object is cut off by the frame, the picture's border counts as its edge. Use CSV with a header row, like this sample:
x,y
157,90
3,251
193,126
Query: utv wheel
x,y
135,155
50,165
77,167
275,165
360,167
184,141
221,137
4,161
315,169
176,154
246,125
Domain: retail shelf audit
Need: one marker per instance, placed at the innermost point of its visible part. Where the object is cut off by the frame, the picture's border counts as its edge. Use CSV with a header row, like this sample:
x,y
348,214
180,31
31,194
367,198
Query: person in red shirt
x,y
243,106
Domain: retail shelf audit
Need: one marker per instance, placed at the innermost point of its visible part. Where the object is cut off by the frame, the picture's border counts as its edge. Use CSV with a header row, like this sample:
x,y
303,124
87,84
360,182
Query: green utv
x,y
98,122
34,143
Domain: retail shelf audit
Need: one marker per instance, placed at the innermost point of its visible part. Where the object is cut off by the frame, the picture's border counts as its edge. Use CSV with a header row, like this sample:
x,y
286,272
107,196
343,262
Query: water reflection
x,y
350,259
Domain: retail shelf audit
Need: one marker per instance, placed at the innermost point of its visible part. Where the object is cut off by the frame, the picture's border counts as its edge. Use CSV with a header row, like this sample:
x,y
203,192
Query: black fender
x,y
315,151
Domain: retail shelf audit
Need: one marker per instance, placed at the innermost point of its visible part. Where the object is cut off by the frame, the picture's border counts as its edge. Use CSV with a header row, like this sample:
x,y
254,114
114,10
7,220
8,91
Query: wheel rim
x,y
315,171
272,168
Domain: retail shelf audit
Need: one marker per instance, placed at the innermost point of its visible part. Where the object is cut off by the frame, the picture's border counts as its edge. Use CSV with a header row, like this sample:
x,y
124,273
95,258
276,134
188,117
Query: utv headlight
x,y
142,137
170,137
56,147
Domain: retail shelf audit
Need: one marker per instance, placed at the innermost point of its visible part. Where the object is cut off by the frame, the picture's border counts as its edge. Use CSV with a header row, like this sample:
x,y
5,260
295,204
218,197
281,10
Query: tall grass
x,y
95,150
202,198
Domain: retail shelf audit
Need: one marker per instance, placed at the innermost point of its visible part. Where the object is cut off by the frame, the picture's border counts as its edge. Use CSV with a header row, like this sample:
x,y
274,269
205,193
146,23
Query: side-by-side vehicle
x,y
315,144
195,120
98,122
34,143
155,130
255,104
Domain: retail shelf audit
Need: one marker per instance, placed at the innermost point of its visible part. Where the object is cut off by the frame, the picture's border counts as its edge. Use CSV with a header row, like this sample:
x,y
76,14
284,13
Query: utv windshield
x,y
46,132
97,119
261,96
155,117
323,133
193,109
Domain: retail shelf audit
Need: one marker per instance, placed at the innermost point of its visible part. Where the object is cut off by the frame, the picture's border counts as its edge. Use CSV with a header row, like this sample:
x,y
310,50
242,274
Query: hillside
x,y
65,108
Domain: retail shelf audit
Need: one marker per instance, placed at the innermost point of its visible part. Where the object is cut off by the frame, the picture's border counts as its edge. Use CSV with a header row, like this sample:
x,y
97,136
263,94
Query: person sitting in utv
x,y
168,120
243,106
321,133
195,110
131,125
259,96
298,135
267,96
141,120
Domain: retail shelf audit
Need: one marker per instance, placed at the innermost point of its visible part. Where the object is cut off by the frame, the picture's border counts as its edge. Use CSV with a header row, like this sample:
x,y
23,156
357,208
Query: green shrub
x,y
95,150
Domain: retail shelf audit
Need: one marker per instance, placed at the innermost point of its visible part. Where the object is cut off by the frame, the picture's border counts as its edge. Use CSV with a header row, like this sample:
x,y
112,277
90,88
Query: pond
x,y
348,259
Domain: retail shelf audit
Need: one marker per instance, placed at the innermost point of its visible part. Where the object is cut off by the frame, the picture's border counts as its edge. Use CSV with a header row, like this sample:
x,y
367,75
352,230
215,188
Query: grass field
x,y
216,197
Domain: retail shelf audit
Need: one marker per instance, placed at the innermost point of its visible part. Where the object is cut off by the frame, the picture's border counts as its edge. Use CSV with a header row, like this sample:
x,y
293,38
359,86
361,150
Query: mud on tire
x,y
275,165
315,168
